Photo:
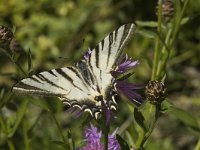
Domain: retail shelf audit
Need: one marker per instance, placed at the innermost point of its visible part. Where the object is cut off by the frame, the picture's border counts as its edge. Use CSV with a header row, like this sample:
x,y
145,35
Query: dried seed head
x,y
6,35
15,46
167,10
155,91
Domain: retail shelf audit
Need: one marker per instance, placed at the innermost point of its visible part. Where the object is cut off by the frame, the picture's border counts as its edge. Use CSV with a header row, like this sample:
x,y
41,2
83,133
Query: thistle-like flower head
x,y
122,85
93,139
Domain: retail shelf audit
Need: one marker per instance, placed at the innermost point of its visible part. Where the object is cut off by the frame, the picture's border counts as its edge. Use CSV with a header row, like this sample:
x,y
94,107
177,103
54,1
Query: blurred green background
x,y
51,29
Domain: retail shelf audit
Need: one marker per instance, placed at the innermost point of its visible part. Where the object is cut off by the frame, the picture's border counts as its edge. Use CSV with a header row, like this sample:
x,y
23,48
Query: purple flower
x,y
126,65
87,54
113,144
130,91
122,85
93,138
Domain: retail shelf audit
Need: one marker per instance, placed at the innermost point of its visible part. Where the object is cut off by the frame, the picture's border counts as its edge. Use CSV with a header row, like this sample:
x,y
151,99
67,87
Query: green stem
x,y
157,46
197,147
60,130
15,63
140,140
9,141
177,25
149,113
154,122
10,144
167,51
164,55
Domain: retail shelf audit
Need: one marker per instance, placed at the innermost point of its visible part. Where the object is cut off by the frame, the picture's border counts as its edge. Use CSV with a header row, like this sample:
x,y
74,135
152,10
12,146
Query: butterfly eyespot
x,y
98,98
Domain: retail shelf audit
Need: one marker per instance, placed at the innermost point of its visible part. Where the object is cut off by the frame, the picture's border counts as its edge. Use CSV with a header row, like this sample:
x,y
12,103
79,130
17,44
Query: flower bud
x,y
167,10
6,35
155,91
15,46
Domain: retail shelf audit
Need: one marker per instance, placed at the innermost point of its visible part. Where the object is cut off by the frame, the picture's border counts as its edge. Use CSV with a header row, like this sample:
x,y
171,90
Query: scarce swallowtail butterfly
x,y
89,81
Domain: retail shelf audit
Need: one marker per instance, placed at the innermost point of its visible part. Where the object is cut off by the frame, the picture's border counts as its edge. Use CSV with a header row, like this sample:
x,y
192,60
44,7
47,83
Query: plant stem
x,y
153,123
105,124
15,63
10,144
177,25
170,43
106,139
164,55
106,127
4,128
157,46
60,130
197,147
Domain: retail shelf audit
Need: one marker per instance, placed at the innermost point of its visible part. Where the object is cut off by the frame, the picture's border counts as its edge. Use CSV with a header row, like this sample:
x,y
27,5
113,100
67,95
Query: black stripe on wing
x,y
97,55
87,73
75,71
43,78
52,73
109,48
68,78
22,87
127,32
35,79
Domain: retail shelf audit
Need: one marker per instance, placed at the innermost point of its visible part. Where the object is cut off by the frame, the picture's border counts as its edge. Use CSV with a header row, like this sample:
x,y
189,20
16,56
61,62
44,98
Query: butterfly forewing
x,y
79,86
108,51
57,82
105,55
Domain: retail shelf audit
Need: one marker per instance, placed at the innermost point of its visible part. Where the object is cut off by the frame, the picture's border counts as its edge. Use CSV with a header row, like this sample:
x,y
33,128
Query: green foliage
x,y
123,144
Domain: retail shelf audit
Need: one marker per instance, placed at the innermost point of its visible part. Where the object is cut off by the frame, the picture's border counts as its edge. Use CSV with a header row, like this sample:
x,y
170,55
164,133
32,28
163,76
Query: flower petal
x,y
87,54
129,90
125,65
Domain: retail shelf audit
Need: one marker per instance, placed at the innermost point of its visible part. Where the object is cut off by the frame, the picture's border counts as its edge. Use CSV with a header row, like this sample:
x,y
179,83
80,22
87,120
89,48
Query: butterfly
x,y
89,82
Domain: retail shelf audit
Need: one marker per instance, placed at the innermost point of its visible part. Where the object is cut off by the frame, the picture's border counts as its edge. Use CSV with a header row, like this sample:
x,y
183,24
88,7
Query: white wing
x,y
63,82
108,51
81,85
66,83
105,55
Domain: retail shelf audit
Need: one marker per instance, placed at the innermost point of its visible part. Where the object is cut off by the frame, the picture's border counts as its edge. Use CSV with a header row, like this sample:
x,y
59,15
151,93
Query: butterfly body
x,y
89,82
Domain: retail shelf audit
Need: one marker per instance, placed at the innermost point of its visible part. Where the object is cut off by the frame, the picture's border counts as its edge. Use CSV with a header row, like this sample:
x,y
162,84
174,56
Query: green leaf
x,y
41,103
125,75
147,33
147,23
185,117
139,118
184,20
6,98
123,144
71,140
60,143
20,114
